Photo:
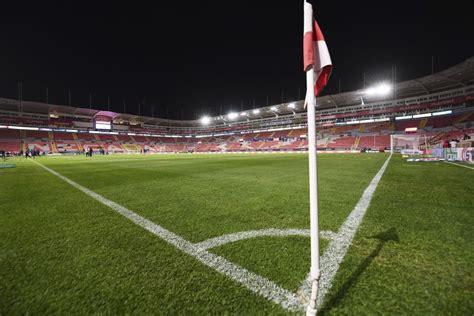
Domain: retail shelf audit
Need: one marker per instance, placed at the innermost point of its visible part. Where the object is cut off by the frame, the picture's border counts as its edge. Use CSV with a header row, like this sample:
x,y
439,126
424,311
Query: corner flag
x,y
318,66
315,51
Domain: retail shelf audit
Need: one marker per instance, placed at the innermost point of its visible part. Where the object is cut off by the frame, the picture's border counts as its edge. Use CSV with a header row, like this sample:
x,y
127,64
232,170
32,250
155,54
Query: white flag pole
x,y
313,190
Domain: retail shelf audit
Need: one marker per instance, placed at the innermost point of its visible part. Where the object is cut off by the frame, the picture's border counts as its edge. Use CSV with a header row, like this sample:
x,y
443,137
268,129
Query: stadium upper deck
x,y
453,87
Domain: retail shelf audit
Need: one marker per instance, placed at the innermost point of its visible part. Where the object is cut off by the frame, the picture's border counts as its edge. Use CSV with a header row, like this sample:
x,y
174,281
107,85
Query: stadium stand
x,y
344,142
13,147
400,126
9,134
63,136
374,142
36,134
343,122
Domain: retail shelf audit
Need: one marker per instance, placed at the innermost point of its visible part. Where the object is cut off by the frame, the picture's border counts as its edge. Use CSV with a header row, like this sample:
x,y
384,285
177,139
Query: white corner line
x,y
250,280
330,261
270,232
338,246
459,165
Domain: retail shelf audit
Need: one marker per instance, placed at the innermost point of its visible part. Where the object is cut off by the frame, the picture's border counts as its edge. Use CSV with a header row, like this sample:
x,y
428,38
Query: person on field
x,y
453,143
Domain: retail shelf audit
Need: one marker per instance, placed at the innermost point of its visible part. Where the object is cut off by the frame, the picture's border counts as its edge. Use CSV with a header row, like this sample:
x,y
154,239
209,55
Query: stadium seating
x,y
63,147
141,139
233,146
281,134
105,137
63,136
374,136
374,142
41,146
345,129
294,145
36,134
123,138
378,127
265,135
342,143
400,126
269,145
12,147
442,121
86,136
9,134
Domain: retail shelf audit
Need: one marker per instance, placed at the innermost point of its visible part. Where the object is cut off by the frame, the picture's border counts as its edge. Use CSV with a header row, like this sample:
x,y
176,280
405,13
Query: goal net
x,y
406,144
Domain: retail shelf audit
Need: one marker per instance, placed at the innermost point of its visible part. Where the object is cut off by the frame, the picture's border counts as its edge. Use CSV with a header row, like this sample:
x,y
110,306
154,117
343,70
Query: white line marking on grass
x,y
252,281
338,247
271,232
456,164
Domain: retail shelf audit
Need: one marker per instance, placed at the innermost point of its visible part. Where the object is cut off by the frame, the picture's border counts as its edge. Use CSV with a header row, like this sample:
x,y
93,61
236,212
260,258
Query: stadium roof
x,y
457,76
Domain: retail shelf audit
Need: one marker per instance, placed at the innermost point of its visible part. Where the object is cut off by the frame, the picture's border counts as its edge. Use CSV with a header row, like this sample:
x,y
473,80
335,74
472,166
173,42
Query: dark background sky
x,y
202,57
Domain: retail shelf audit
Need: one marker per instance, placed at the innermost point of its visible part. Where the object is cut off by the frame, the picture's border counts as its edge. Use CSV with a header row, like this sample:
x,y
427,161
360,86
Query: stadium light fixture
x,y
442,113
353,122
406,117
25,128
256,111
273,108
232,115
292,105
205,120
422,115
243,114
381,89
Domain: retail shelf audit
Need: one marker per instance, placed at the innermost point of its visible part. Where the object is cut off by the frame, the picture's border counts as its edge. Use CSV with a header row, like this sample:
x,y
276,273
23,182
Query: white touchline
x,y
270,232
252,281
338,246
456,164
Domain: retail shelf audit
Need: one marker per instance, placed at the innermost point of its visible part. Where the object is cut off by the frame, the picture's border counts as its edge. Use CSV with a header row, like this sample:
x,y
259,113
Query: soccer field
x,y
66,251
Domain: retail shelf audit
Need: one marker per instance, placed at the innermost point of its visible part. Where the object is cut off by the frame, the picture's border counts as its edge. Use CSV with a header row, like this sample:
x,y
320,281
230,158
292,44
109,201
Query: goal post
x,y
406,144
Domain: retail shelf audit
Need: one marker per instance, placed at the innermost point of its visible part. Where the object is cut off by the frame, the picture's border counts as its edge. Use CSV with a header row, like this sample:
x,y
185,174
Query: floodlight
x,y
256,111
243,114
273,108
384,88
232,115
422,115
442,113
379,90
205,120
370,91
292,105
406,117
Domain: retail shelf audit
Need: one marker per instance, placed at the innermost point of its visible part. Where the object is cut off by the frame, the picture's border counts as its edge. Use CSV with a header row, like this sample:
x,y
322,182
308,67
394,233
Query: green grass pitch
x,y
62,252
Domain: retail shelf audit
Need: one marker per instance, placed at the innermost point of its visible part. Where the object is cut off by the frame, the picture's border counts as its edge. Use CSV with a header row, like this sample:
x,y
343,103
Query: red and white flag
x,y
315,50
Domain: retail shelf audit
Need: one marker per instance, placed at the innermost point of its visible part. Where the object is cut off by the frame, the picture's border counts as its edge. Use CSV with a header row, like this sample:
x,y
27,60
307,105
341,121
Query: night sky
x,y
187,59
